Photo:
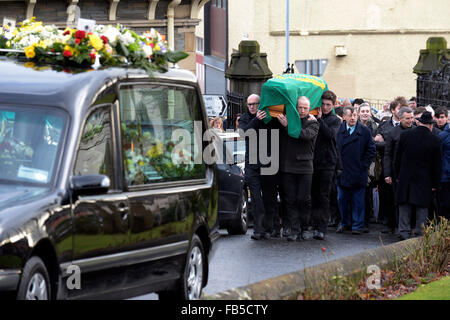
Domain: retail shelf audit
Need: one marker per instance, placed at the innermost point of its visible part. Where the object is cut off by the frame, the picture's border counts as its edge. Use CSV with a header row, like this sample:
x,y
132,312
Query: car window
x,y
158,140
29,142
95,151
230,148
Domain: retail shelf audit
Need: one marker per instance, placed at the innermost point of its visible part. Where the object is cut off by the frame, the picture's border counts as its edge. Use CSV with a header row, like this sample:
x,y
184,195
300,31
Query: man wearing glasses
x,y
249,120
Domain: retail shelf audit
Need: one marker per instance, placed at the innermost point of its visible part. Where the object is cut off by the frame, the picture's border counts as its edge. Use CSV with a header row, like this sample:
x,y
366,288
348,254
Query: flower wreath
x,y
112,45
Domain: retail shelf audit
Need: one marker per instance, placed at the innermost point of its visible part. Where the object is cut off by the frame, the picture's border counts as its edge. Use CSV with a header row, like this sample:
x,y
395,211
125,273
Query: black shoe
x,y
402,237
291,237
306,235
318,235
365,230
357,232
341,229
275,234
286,232
257,236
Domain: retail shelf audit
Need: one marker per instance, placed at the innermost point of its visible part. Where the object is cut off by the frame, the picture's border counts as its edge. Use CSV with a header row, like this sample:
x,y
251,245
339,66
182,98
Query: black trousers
x,y
335,215
433,209
368,206
320,195
387,204
253,181
271,187
444,200
297,195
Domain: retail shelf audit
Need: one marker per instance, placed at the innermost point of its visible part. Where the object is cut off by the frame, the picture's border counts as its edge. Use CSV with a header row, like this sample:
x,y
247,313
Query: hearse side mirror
x,y
89,184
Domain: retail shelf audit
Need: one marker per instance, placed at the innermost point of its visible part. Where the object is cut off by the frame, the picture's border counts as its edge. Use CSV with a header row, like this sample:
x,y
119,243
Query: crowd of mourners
x,y
351,165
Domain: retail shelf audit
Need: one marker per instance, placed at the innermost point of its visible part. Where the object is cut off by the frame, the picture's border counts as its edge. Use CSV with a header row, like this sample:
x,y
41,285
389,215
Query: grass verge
x,y
424,263
438,290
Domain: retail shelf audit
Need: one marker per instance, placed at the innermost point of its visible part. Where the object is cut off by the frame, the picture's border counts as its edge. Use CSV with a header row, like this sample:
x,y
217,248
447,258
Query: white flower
x,y
8,35
152,33
112,34
127,38
181,156
148,51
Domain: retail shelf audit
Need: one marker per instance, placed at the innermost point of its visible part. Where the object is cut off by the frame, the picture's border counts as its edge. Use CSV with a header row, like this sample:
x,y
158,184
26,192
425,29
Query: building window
x,y
199,45
219,4
315,67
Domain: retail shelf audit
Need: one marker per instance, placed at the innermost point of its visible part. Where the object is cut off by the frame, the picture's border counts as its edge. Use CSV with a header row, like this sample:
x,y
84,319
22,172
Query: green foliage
x,y
113,45
438,290
422,264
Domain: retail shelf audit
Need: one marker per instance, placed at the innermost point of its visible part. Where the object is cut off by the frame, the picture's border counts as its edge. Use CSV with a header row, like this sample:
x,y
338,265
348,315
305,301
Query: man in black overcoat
x,y
249,121
385,190
418,163
296,166
325,160
406,117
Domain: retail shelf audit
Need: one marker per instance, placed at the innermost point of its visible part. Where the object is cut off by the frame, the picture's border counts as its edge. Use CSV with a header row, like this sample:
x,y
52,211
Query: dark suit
x,y
357,151
390,149
296,164
418,163
252,172
385,191
271,185
325,160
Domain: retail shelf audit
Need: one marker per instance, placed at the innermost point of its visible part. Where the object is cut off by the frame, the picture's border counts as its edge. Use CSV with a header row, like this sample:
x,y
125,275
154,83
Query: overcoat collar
x,y
349,138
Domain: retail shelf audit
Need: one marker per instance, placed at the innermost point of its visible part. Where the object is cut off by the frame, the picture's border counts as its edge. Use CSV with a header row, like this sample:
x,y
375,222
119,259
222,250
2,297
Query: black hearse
x,y
99,195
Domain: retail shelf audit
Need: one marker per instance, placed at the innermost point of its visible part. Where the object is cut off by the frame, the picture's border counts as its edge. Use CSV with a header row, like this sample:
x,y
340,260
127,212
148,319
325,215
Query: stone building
x,y
176,19
362,48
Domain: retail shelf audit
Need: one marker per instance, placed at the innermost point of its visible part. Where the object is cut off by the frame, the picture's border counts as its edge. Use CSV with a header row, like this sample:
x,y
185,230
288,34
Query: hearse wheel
x,y
35,282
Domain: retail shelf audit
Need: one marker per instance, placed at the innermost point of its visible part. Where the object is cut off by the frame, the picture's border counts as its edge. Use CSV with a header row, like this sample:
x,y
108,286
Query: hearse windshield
x,y
30,140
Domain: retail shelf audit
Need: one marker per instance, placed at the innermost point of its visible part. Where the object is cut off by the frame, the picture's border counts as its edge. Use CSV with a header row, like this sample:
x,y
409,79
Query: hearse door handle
x,y
123,210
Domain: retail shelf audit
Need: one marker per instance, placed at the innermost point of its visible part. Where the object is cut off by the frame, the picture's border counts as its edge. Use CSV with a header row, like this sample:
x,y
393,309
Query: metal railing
x,y
434,88
235,104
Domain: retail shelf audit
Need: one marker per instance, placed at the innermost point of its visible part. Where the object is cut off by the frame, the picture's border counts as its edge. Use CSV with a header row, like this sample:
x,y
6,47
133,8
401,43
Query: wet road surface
x,y
239,260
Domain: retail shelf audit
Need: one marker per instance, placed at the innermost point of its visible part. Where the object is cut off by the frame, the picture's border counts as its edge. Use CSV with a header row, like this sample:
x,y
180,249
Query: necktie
x,y
349,130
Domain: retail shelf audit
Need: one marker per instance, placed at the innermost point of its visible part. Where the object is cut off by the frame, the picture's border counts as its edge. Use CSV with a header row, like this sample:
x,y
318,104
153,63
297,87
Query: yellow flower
x,y
155,150
96,42
41,44
68,48
157,48
70,31
29,52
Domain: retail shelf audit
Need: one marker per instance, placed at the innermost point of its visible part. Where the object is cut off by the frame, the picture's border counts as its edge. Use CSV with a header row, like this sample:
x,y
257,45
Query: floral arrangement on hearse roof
x,y
111,45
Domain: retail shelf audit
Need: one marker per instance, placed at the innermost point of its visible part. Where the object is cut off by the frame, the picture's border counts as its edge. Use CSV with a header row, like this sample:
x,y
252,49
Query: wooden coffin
x,y
274,111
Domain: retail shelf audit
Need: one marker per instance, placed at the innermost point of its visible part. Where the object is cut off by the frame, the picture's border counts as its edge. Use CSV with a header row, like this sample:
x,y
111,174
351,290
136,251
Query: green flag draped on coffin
x,y
283,92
